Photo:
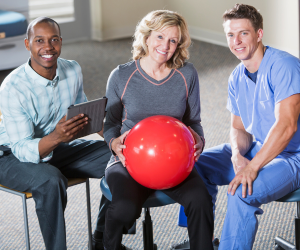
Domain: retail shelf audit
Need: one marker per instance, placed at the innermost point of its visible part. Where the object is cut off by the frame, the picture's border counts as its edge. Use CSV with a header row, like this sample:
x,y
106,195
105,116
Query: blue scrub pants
x,y
275,180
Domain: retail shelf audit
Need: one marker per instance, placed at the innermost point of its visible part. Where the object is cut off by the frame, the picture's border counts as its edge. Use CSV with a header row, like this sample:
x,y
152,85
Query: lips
x,y
48,57
161,52
239,49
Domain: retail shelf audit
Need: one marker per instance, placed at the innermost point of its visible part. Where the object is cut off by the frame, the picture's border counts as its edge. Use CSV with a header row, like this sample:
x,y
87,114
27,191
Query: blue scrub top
x,y
278,77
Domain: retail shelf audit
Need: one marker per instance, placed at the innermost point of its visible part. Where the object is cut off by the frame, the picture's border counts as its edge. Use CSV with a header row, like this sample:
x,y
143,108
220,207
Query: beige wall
x,y
118,18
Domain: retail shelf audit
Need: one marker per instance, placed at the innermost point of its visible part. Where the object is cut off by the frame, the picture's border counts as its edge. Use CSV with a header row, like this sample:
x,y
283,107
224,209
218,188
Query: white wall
x,y
118,18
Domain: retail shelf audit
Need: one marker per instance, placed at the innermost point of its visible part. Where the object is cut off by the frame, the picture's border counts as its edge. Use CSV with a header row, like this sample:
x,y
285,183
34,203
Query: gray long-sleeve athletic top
x,y
133,96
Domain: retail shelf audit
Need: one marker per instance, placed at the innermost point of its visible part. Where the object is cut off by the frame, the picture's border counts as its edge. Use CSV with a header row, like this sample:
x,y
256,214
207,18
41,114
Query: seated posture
x,y
264,101
35,135
157,82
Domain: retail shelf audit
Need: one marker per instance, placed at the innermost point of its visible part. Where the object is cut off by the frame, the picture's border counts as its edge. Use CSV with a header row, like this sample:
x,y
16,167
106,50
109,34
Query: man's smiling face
x,y
44,44
242,39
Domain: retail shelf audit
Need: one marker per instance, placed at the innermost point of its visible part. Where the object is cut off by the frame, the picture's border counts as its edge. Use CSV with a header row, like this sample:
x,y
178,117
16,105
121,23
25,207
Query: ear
x,y
260,34
26,41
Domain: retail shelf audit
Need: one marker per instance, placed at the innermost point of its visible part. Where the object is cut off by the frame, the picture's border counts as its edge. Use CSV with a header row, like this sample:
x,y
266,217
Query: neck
x,y
252,64
151,66
48,73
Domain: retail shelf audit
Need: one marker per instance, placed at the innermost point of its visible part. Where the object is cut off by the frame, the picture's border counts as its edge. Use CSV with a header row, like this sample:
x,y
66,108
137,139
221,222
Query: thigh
x,y
215,164
26,176
192,187
81,158
124,188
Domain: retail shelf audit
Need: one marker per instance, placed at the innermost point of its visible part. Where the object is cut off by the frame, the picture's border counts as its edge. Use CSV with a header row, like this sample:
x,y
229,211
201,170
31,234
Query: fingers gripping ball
x,y
159,152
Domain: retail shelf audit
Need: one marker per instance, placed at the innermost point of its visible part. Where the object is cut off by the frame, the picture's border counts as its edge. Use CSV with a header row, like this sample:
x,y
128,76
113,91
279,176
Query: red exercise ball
x,y
159,152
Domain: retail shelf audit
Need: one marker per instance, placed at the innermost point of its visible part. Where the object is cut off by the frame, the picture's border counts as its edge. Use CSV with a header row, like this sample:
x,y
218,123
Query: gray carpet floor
x,y
214,64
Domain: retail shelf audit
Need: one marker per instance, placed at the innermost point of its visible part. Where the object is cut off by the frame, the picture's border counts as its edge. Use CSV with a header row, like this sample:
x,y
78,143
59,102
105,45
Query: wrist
x,y
203,142
54,138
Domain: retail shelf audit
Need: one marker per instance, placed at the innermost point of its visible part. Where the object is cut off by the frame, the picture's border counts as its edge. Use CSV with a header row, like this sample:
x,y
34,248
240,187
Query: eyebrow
x,y
44,36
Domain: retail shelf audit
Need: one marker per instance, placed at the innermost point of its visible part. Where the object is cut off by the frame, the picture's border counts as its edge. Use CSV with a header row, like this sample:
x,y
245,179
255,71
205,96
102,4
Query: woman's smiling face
x,y
162,44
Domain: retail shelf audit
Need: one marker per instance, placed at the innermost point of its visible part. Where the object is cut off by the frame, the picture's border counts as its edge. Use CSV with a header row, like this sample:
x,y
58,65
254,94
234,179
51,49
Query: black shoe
x,y
185,245
216,243
97,244
124,248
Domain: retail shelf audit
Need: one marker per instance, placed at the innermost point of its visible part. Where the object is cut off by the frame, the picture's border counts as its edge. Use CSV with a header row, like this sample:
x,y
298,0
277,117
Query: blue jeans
x,y
275,180
48,182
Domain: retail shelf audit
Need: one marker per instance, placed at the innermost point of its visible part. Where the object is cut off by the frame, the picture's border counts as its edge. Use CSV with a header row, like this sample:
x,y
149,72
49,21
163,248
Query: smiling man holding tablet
x,y
36,136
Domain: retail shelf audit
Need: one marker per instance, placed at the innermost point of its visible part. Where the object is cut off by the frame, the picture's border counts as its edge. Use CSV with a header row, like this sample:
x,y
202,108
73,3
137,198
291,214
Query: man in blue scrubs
x,y
264,101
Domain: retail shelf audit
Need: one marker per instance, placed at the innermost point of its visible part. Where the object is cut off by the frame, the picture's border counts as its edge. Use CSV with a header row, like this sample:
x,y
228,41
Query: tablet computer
x,y
94,110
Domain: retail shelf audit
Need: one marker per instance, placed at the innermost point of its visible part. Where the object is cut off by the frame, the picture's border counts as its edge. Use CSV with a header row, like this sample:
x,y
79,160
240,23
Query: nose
x,y
166,44
48,45
237,40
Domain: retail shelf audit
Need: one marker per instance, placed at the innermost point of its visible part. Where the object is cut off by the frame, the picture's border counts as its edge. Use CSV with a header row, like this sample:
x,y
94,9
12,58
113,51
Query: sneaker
x,y
184,245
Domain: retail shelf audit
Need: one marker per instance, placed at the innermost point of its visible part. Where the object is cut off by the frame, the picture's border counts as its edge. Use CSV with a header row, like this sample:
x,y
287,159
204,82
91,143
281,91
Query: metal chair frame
x,y
280,243
26,196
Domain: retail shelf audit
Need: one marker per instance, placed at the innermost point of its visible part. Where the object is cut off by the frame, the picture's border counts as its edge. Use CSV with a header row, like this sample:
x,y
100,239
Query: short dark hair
x,y
42,19
243,11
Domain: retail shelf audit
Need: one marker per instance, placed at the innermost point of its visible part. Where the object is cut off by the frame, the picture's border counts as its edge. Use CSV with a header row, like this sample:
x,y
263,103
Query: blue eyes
x,y
172,40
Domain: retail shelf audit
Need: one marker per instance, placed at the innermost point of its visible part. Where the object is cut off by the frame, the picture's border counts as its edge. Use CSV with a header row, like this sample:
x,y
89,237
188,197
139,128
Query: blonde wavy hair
x,y
158,20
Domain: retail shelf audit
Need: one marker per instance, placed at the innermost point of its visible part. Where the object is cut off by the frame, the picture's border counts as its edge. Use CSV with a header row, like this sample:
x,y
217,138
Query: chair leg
x,y
26,221
148,231
88,207
282,244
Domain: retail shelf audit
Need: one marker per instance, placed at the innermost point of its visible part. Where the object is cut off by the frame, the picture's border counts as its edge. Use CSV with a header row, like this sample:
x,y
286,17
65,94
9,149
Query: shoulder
x,y
279,59
123,71
188,72
68,64
14,80
187,69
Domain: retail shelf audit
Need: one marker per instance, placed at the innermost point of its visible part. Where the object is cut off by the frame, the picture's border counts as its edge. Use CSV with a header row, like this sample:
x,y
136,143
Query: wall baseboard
x,y
208,36
195,33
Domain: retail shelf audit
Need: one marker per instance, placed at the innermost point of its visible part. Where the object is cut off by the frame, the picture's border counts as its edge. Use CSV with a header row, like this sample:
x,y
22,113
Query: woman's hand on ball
x,y
117,146
198,145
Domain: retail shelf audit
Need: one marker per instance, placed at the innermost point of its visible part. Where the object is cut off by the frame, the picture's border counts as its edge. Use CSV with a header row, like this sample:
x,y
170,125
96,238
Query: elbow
x,y
291,130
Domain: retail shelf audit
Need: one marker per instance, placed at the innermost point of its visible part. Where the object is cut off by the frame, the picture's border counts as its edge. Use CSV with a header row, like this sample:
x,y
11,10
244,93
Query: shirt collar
x,y
38,78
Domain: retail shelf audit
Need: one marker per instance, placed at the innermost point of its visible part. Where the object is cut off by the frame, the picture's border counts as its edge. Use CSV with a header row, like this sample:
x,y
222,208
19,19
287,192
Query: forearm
x,y
48,143
240,141
277,140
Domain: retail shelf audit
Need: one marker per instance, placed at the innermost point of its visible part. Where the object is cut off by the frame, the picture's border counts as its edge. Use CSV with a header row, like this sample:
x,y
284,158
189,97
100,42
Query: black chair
x,y
280,243
157,199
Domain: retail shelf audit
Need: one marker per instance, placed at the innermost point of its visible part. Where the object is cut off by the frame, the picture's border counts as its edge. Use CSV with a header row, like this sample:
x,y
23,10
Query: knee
x,y
123,213
200,202
52,180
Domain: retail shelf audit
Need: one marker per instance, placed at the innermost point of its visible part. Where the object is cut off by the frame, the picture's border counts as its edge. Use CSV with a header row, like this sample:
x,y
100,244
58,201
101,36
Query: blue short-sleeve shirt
x,y
278,77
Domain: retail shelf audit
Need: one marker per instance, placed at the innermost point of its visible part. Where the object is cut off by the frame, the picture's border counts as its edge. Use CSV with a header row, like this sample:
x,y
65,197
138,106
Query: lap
x,y
124,188
78,159
81,158
276,179
26,176
191,189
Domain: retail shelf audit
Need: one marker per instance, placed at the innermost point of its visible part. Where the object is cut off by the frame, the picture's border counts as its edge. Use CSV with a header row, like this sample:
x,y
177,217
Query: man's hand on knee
x,y
246,176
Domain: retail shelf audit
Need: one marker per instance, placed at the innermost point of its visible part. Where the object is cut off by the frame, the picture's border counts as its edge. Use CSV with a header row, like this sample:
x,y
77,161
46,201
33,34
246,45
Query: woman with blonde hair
x,y
158,81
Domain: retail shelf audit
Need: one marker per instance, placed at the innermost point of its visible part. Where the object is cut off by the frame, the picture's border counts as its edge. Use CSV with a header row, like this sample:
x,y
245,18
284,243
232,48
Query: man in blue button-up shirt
x,y
34,99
